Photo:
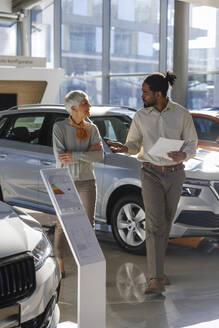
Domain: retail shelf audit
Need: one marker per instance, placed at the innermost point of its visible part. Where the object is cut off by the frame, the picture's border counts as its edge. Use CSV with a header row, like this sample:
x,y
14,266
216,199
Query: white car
x,y
29,274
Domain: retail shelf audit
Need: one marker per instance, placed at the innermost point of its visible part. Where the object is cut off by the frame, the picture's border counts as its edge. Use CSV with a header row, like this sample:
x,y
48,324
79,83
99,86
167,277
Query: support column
x,y
106,52
180,52
57,33
163,36
22,49
57,46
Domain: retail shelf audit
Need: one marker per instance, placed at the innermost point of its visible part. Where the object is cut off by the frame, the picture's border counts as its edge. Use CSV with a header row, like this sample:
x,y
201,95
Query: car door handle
x,y
2,155
46,162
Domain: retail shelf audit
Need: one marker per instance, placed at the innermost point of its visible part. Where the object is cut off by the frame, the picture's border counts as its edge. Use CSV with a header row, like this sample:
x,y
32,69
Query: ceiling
x,y
211,3
18,5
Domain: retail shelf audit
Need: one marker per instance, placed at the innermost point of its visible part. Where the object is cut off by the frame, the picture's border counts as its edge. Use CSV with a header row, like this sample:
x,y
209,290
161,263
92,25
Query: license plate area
x,y
10,316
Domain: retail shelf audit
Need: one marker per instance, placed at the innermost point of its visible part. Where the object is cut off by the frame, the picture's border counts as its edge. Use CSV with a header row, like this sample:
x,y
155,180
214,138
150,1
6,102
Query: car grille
x,y
203,219
17,278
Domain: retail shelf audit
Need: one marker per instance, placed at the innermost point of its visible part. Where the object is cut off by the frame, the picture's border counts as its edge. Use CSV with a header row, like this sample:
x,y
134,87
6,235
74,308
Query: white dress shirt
x,y
174,122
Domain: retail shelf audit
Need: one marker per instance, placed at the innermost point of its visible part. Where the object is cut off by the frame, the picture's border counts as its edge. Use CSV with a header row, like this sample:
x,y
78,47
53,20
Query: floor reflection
x,y
131,282
191,301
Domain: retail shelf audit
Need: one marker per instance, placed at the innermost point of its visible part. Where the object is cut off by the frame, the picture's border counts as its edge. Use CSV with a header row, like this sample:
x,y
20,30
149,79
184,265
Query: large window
x,y
92,86
42,30
203,86
134,36
81,39
126,91
203,91
81,53
204,39
134,45
134,48
8,44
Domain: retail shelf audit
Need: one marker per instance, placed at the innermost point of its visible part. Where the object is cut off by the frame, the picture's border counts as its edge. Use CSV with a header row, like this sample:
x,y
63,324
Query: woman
x,y
77,145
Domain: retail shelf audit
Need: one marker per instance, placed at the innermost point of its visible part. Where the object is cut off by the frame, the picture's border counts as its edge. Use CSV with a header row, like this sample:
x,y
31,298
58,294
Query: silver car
x,y
26,147
29,275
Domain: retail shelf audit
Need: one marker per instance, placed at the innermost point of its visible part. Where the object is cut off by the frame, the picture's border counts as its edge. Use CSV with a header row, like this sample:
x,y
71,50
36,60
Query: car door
x,y
19,158
47,159
110,171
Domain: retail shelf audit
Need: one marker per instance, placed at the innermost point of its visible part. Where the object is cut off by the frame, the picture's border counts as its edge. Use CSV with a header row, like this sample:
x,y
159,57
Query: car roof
x,y
96,110
206,113
111,110
211,108
34,108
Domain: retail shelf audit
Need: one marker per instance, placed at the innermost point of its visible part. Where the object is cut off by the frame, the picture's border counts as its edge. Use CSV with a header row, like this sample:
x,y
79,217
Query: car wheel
x,y
128,224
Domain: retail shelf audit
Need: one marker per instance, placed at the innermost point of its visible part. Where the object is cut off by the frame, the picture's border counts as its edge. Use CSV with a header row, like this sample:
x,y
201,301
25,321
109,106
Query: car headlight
x,y
42,251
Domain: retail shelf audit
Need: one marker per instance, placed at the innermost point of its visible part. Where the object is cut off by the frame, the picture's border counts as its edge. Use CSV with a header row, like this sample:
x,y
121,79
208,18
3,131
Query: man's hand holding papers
x,y
169,149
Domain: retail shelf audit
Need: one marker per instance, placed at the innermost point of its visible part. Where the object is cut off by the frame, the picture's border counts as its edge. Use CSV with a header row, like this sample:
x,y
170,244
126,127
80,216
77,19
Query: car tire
x,y
128,224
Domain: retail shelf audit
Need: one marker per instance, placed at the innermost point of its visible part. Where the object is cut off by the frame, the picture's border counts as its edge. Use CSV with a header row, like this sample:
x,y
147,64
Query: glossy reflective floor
x,y
191,299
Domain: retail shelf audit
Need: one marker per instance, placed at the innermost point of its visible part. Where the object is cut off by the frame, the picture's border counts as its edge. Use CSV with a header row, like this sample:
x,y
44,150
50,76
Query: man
x,y
161,178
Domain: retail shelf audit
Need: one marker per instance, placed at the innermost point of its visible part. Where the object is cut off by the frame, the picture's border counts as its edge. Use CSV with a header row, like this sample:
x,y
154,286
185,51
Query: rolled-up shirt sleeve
x,y
134,138
190,136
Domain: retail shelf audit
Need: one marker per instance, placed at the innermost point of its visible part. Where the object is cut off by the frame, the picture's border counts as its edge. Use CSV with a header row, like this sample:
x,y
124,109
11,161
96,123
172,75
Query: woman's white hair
x,y
74,98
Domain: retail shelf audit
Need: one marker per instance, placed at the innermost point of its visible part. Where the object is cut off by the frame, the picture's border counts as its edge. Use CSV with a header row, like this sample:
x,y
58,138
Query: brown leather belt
x,y
170,168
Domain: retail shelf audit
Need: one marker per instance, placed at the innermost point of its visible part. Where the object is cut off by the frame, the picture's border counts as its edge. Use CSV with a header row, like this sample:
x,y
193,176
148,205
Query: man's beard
x,y
146,105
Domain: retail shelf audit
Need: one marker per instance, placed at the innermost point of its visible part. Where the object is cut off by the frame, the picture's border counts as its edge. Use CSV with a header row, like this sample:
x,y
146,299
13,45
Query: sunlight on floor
x,y
209,324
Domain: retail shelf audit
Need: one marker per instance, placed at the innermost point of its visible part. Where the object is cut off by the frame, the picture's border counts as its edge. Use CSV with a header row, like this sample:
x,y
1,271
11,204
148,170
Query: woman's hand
x,y
95,147
65,157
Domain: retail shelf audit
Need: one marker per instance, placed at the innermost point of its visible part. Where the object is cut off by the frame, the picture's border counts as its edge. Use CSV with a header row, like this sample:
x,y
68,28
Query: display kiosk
x,y
84,246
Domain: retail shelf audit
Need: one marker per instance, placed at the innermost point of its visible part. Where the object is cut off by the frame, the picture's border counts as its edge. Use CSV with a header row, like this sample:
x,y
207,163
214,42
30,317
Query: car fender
x,y
116,184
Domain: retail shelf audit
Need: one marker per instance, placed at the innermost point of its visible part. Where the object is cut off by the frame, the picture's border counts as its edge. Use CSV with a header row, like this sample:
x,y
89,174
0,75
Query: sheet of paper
x,y
163,146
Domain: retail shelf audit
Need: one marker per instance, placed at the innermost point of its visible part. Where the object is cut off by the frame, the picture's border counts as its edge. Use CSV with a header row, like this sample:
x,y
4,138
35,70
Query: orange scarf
x,y
81,132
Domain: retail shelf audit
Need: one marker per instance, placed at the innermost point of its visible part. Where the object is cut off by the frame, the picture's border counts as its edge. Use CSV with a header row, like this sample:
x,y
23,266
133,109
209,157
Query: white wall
x,y
5,5
53,77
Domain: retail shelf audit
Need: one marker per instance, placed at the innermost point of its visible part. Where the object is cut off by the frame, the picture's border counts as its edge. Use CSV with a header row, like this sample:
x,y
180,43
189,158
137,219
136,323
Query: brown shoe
x,y
155,286
165,280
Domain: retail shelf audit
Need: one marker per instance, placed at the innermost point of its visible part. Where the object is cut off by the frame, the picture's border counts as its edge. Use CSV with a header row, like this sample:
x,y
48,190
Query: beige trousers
x,y
87,193
161,193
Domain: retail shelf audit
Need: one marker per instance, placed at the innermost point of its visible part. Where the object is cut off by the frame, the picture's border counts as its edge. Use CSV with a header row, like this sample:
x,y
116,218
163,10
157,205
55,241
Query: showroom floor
x,y
191,299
